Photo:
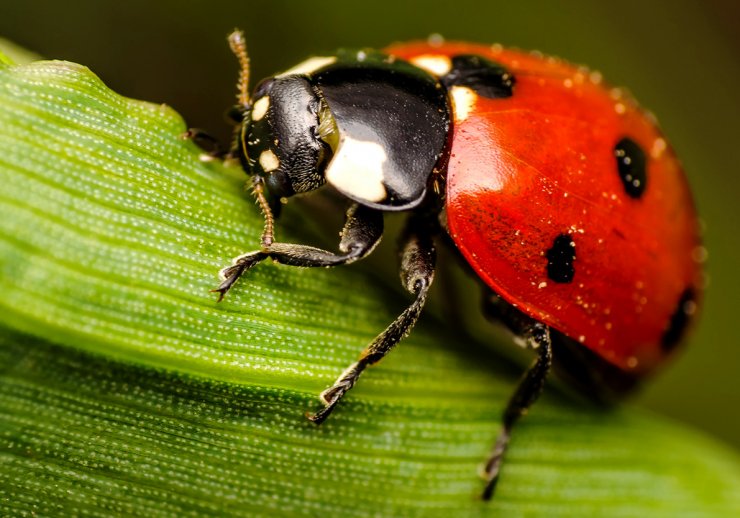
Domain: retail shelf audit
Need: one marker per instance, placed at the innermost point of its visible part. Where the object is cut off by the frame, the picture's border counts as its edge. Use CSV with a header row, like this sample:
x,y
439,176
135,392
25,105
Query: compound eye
x,y
263,159
255,143
255,138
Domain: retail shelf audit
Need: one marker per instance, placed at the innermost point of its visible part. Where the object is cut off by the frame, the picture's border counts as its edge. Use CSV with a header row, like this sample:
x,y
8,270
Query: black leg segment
x,y
529,389
362,231
207,142
417,272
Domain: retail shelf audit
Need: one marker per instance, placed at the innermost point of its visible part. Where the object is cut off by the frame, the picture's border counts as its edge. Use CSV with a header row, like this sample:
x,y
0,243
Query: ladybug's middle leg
x,y
527,392
418,256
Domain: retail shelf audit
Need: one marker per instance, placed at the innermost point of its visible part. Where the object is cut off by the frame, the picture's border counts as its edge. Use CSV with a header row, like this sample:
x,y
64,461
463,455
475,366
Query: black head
x,y
281,136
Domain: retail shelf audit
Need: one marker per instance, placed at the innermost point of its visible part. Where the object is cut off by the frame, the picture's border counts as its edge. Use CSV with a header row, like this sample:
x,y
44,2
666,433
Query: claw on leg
x,y
331,396
320,416
493,465
231,274
529,389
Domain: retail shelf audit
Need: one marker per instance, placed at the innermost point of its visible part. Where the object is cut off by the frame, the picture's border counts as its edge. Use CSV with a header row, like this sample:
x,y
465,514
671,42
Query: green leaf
x,y
126,389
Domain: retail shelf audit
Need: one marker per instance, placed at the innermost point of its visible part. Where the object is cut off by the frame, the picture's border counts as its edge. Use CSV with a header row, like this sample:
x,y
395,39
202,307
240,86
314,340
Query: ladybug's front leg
x,y
362,231
213,150
418,256
529,389
207,142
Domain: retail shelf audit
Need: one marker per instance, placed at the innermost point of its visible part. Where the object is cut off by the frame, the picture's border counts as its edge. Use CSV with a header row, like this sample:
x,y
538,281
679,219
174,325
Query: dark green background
x,y
679,58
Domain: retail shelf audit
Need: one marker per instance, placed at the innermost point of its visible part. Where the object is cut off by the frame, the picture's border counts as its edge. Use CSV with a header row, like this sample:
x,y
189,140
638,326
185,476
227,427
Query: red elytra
x,y
525,169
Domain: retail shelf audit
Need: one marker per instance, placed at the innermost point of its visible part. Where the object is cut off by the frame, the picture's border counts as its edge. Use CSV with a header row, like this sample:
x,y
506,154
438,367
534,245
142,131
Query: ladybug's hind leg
x,y
417,272
527,392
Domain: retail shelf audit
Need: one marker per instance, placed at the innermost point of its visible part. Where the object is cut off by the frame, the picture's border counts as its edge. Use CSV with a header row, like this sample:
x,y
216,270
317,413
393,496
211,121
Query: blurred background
x,y
679,57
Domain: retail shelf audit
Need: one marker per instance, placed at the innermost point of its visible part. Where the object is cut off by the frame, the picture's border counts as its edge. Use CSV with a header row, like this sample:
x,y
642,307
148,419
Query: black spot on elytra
x,y
679,321
485,77
560,259
631,166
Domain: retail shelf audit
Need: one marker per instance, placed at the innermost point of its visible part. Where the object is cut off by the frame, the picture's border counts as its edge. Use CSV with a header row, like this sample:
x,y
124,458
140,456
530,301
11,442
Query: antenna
x,y
239,47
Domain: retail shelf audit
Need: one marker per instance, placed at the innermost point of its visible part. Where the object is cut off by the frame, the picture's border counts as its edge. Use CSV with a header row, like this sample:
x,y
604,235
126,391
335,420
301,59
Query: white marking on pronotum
x,y
463,101
309,66
357,169
260,108
269,161
433,63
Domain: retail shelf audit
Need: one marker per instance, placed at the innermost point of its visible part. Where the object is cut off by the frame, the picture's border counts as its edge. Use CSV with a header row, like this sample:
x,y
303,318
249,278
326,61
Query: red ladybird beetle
x,y
559,192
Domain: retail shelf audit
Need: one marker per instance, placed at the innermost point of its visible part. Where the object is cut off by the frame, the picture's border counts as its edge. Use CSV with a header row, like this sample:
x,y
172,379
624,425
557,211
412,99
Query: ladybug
x,y
560,193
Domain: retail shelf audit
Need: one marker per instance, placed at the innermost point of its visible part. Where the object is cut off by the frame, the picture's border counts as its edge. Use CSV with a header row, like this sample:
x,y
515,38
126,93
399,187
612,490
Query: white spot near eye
x,y
433,63
309,66
357,169
463,101
260,108
269,161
